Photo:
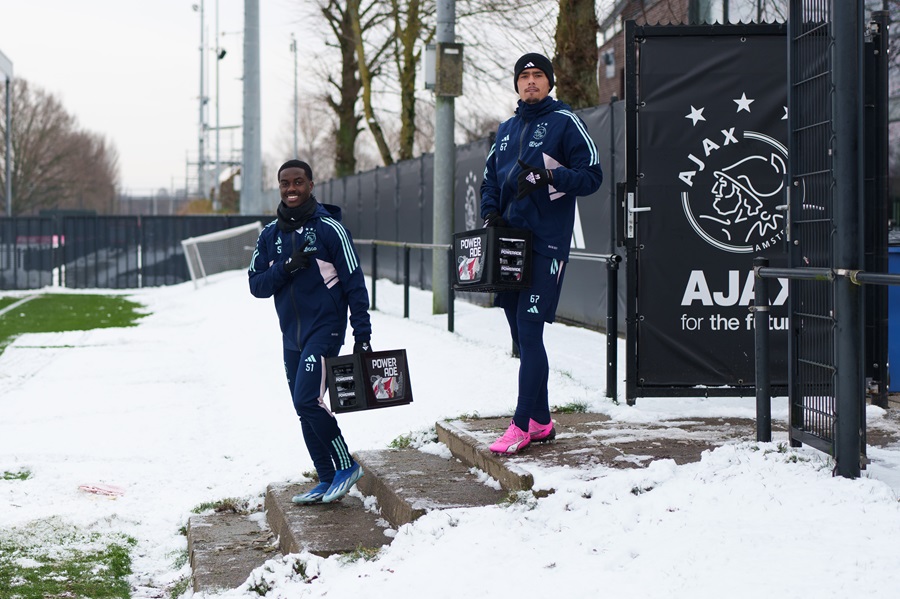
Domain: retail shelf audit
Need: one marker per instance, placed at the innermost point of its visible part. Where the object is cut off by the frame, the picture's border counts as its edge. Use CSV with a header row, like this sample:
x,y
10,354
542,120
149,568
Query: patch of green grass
x,y
524,499
6,301
576,407
401,442
415,439
361,553
229,504
56,312
52,559
469,416
180,588
17,475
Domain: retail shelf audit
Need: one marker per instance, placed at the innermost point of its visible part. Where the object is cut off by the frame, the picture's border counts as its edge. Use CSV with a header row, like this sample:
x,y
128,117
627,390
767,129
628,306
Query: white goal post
x,y
217,252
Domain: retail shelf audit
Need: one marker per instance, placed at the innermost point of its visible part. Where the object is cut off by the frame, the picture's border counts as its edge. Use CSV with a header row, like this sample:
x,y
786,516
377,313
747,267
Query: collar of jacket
x,y
530,111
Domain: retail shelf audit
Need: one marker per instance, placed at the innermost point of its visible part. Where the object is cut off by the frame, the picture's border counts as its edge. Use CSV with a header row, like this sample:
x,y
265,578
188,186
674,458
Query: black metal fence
x,y
112,252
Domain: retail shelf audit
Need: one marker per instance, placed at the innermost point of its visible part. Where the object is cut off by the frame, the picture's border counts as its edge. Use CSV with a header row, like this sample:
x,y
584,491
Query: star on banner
x,y
695,115
743,103
784,118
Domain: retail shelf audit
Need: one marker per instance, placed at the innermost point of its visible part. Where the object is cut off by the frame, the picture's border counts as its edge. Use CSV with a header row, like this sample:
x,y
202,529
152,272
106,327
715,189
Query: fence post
x,y
761,335
405,281
612,325
451,295
374,273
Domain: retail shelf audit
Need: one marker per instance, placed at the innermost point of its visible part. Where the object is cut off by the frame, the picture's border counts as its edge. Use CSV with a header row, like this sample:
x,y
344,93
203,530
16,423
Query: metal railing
x,y
612,262
760,309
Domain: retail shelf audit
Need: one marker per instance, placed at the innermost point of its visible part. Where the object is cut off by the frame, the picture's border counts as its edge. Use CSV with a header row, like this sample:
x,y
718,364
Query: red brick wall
x,y
647,12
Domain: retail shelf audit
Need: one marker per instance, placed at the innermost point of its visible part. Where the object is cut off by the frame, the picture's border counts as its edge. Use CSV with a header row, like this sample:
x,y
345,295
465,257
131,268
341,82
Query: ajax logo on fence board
x,y
732,182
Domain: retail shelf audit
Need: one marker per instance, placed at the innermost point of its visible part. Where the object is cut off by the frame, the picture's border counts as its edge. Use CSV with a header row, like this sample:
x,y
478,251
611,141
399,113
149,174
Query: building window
x,y
609,59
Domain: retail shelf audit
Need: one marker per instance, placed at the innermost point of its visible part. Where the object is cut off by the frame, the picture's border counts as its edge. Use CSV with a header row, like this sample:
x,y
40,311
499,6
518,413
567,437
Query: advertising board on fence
x,y
709,178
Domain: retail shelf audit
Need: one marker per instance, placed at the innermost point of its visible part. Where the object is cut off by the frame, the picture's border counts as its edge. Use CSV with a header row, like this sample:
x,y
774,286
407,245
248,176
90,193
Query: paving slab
x,y
225,548
324,528
409,483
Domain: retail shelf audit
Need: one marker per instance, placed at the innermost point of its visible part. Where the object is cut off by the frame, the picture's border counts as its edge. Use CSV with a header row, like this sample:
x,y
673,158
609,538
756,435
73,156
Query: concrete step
x,y
473,451
225,548
323,528
409,483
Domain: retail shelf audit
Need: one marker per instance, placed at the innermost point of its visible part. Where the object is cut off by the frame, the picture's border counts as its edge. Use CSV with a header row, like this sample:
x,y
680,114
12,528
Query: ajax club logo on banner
x,y
732,177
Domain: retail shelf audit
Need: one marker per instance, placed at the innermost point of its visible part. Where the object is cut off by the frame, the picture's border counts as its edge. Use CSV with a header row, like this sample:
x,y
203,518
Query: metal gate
x,y
837,109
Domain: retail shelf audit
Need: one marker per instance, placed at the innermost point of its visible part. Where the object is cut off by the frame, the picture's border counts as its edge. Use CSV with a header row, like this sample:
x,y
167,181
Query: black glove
x,y
532,178
362,347
299,259
493,219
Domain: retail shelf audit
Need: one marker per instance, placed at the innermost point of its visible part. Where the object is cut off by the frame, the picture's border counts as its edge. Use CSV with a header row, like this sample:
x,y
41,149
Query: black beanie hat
x,y
533,60
297,164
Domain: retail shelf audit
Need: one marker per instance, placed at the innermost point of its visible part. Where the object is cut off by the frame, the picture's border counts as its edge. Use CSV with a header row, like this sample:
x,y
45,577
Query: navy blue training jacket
x,y
312,303
545,135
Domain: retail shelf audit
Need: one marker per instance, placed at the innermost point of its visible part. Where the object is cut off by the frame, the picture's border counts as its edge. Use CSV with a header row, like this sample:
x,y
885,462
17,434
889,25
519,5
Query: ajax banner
x,y
711,164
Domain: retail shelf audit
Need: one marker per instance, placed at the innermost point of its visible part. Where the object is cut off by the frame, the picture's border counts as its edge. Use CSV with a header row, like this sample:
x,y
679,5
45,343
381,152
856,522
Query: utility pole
x,y
296,99
444,165
251,162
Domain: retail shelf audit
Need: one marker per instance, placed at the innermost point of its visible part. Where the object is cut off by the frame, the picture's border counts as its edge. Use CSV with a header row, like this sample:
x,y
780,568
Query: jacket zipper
x,y
516,165
293,297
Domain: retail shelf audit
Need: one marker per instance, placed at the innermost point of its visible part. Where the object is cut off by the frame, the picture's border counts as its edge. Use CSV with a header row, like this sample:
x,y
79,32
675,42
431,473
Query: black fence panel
x,y
384,213
427,217
28,248
108,252
100,252
812,369
411,196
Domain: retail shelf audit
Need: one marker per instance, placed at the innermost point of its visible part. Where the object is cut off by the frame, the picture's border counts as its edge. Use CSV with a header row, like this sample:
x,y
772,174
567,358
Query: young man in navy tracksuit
x,y
542,158
307,260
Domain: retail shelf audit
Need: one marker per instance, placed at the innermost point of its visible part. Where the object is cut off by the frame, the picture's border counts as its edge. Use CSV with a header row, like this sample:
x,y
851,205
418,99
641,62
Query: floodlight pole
x,y
201,183
215,198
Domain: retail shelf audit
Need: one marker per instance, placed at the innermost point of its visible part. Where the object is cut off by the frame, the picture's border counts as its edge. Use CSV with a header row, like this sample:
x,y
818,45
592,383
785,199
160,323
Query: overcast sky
x,y
130,71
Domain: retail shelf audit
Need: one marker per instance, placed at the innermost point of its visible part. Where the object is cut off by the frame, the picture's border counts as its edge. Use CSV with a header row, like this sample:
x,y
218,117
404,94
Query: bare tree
x,y
575,64
366,18
413,27
346,86
55,165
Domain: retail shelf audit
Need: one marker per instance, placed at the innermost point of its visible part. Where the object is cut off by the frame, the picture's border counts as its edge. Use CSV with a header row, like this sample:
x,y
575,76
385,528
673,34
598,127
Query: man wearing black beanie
x,y
533,61
543,157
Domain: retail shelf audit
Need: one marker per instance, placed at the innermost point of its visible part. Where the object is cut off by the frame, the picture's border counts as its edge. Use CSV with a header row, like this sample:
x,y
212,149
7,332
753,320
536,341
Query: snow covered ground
x,y
191,406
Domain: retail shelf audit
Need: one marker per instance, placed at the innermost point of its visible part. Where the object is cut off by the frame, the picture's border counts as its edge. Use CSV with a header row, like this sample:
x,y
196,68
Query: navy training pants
x,y
306,379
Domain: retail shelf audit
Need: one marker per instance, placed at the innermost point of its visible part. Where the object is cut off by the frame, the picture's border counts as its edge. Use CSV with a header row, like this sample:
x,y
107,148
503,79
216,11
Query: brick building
x,y
611,74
